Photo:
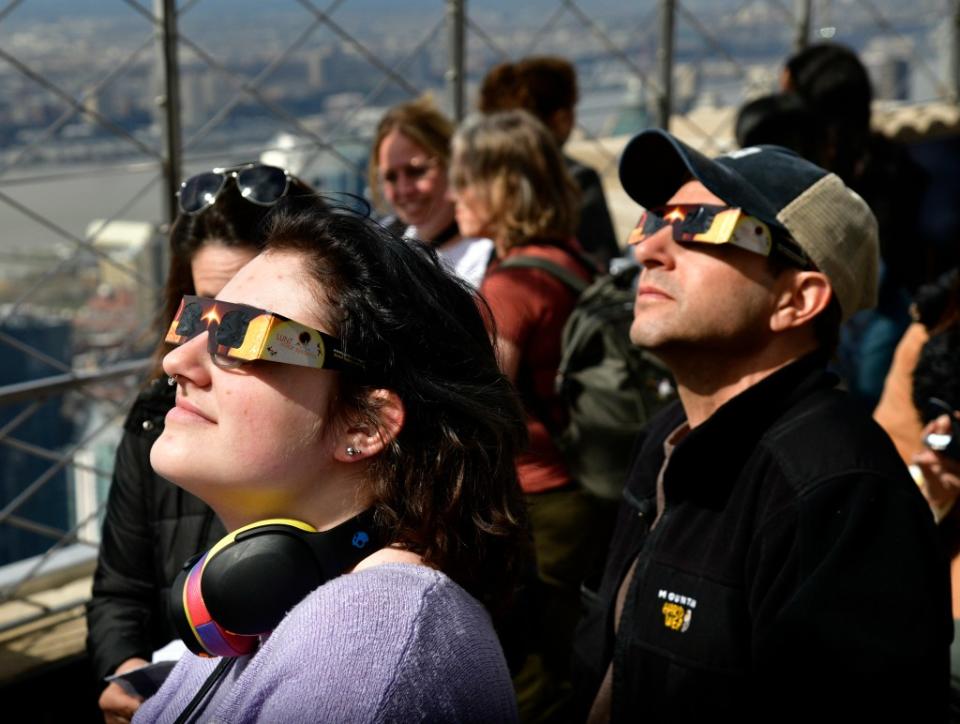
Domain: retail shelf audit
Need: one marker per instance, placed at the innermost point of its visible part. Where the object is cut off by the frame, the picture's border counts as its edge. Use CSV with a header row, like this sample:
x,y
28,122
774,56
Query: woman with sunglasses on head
x,y
408,169
511,184
343,379
152,526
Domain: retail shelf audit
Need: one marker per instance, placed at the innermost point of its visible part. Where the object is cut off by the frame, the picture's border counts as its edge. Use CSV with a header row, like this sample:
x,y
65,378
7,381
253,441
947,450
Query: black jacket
x,y
794,573
151,528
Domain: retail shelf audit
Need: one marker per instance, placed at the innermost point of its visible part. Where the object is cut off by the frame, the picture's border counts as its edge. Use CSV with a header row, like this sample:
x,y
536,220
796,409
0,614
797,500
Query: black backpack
x,y
609,387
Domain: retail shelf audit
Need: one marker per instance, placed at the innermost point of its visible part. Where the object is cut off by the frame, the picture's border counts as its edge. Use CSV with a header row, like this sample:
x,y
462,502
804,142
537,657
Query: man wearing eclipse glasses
x,y
772,559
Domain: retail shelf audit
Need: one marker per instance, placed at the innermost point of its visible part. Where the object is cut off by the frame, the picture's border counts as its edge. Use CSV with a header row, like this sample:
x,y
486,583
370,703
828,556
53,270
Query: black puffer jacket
x,y
151,528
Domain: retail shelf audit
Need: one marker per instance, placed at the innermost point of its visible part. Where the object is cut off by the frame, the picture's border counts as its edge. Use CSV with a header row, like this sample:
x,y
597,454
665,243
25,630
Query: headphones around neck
x,y
224,599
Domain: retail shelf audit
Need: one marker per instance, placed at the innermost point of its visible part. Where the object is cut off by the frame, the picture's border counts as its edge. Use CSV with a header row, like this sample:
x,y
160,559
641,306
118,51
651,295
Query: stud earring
x,y
172,380
352,451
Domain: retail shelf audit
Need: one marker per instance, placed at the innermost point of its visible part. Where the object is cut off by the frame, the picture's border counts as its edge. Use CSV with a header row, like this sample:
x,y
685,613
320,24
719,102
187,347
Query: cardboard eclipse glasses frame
x,y
239,334
709,224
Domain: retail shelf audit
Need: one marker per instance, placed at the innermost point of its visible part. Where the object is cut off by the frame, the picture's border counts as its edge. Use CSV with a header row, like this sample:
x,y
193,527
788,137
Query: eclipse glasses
x,y
257,183
239,334
709,224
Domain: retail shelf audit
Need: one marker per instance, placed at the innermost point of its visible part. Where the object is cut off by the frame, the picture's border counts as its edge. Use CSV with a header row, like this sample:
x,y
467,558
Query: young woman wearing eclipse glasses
x,y
152,526
340,407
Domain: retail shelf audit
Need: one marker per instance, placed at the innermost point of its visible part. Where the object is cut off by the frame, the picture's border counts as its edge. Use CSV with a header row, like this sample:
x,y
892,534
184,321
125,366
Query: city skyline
x,y
71,55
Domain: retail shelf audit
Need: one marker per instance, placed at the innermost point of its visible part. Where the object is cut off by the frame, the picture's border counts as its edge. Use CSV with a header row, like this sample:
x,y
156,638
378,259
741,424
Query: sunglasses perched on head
x,y
257,183
710,224
415,169
239,334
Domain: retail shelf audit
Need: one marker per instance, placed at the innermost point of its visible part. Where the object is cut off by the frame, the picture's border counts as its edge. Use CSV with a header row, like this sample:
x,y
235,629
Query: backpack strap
x,y
566,276
577,286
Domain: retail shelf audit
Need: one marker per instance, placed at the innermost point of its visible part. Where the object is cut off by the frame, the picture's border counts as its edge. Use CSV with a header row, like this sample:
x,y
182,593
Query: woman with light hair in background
x,y
408,171
546,86
511,184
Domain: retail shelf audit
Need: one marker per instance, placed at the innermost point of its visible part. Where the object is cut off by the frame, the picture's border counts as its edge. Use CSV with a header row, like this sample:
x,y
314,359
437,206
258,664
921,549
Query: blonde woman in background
x,y
511,184
408,172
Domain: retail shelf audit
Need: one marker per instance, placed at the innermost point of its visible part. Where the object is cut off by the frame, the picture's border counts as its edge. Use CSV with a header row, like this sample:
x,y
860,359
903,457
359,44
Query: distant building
x,y
203,92
888,60
39,484
339,171
634,112
129,279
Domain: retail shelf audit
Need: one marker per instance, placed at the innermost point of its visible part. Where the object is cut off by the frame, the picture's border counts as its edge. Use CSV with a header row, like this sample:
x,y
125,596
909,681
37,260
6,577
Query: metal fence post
x,y
456,18
665,62
954,52
169,113
169,103
804,12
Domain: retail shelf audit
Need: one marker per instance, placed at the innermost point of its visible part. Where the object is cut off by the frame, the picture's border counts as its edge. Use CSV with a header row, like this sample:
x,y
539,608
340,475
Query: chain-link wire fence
x,y
105,106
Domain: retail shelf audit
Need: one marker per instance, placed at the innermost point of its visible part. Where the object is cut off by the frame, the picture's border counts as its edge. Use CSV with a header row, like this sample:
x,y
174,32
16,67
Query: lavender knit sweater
x,y
393,643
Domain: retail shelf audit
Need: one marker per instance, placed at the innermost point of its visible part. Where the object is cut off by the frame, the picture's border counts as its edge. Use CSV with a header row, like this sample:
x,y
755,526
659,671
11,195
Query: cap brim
x,y
655,164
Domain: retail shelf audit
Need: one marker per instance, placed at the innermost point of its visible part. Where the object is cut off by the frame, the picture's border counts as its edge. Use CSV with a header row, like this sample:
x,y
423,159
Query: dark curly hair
x,y
834,83
541,85
446,487
937,374
938,303
782,119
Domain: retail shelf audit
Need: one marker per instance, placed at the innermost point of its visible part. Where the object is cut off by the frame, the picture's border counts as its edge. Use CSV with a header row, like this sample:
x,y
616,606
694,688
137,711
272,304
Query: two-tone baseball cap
x,y
829,221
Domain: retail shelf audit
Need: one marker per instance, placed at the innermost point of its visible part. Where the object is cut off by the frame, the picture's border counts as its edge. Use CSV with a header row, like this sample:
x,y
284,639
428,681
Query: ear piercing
x,y
172,380
353,451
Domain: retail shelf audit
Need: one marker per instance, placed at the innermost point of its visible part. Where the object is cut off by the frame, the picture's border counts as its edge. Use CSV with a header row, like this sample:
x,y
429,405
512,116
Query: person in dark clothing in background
x,y
934,384
772,559
834,85
151,525
782,119
547,87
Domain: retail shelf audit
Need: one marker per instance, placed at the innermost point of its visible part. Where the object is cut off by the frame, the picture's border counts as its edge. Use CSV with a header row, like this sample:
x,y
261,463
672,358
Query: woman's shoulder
x,y
391,640
398,595
451,666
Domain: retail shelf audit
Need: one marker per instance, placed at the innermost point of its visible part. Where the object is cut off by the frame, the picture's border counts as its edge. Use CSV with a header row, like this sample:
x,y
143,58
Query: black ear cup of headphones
x,y
243,587
249,587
